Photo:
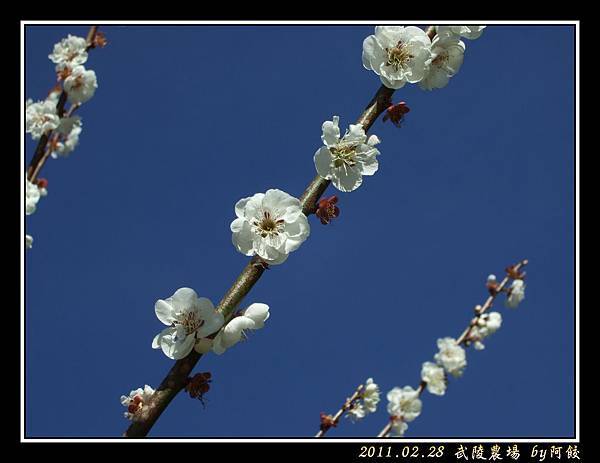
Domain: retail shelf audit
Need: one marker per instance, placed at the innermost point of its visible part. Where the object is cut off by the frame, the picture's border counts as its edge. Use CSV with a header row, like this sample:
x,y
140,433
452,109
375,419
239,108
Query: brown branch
x,y
463,338
335,419
41,154
177,376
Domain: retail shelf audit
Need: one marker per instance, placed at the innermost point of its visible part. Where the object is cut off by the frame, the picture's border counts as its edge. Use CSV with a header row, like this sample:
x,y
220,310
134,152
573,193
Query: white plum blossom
x,y
404,403
435,378
32,196
470,32
54,95
493,322
344,161
135,400
70,128
28,241
40,117
270,225
397,54
253,318
69,52
487,324
448,55
189,319
80,85
367,403
451,356
398,428
516,294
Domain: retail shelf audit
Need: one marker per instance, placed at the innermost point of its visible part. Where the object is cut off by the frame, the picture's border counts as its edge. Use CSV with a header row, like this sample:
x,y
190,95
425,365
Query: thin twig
x,y
462,339
347,406
40,155
176,378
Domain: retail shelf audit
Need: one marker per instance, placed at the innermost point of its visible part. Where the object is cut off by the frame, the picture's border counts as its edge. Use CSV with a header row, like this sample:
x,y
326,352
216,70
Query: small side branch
x,y
511,272
328,422
41,153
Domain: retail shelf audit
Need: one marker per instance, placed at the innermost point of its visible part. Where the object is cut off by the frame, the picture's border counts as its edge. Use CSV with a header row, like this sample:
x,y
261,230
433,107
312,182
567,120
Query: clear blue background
x,y
187,120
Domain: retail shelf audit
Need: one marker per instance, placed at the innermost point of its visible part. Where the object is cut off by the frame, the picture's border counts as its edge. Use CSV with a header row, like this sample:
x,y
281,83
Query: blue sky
x,y
189,119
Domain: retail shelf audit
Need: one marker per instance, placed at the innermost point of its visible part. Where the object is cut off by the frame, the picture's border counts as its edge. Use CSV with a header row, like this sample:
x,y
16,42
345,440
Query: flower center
x,y
398,56
190,321
344,154
268,225
78,83
441,59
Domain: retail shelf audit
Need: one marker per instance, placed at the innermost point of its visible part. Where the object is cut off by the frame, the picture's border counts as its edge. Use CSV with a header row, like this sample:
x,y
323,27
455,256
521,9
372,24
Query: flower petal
x,y
242,236
165,336
183,299
347,178
203,345
218,347
165,312
373,53
356,134
388,36
204,307
182,348
277,200
331,131
257,312
253,206
323,162
212,322
232,333
395,84
298,232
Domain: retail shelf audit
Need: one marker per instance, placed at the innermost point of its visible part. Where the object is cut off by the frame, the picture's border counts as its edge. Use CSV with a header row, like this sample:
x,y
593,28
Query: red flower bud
x,y
327,209
198,385
99,40
396,113
327,422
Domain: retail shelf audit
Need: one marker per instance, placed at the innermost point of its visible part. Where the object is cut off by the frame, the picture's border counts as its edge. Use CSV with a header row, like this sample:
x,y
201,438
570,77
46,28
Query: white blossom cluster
x,y
135,400
449,360
252,318
404,406
69,128
269,225
516,294
345,160
69,55
188,318
32,196
487,324
69,52
191,320
42,117
399,54
367,403
33,193
79,83
451,356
